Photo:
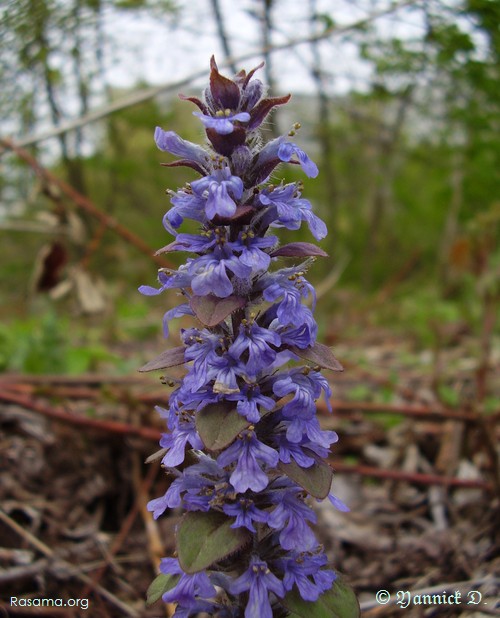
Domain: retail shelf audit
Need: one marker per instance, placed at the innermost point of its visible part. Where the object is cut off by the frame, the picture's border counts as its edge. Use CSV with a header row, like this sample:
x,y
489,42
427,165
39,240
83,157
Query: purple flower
x,y
195,243
158,506
182,434
304,570
258,580
227,369
209,272
290,285
301,336
281,150
289,450
291,517
338,504
185,398
246,513
170,142
176,312
168,279
249,454
251,247
222,124
248,398
185,206
286,151
300,426
217,189
306,386
289,210
188,587
203,348
256,341
197,486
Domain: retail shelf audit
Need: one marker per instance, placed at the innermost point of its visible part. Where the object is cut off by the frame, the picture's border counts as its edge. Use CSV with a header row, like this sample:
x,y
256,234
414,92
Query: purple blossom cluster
x,y
247,363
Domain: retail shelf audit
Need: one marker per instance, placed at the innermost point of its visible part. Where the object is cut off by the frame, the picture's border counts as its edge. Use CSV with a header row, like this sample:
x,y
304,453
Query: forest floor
x,y
417,463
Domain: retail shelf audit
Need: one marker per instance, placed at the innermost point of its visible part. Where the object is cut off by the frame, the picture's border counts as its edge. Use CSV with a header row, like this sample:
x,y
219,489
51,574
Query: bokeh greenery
x,y
409,190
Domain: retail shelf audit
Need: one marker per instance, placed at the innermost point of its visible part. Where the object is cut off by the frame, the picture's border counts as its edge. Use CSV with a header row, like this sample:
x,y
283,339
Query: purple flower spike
x,y
242,428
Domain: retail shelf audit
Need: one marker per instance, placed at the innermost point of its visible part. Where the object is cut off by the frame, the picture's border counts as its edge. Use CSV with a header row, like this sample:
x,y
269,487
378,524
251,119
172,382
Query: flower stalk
x,y
244,452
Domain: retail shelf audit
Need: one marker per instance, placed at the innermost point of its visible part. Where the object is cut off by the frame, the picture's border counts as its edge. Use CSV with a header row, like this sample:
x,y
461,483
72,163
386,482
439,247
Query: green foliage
x,y
424,310
316,480
206,538
450,75
219,425
449,395
41,346
159,586
338,602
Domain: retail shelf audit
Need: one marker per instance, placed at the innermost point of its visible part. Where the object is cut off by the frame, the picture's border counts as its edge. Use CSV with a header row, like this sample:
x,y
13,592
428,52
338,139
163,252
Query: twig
x,y
126,526
341,408
409,477
60,415
48,553
84,378
11,610
395,279
11,575
155,435
83,202
427,412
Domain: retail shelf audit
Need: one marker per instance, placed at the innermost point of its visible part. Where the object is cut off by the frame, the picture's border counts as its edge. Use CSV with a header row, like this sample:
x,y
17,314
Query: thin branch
x,y
85,378
8,576
149,93
155,435
70,388
224,39
59,414
409,477
126,527
83,202
49,553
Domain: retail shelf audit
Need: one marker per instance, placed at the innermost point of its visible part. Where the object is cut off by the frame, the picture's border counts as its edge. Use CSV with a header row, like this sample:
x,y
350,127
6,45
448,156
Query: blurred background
x,y
400,108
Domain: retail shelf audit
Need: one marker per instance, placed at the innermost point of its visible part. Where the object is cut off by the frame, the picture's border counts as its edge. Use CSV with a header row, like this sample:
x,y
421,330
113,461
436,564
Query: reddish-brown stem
x,y
154,435
409,477
341,408
59,414
84,202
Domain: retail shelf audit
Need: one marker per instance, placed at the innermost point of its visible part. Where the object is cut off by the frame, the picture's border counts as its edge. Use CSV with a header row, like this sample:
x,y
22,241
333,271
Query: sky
x,y
158,52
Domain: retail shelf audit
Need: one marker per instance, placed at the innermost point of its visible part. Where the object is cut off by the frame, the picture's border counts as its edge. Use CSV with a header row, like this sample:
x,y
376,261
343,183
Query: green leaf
x,y
169,358
206,538
218,425
161,583
299,249
319,354
316,480
211,310
338,602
